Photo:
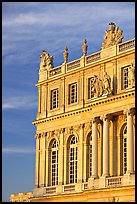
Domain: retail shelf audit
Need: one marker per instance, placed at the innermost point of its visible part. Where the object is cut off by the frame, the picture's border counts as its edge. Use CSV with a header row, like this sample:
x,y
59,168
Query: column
x,y
61,161
94,148
37,162
85,162
105,145
80,154
65,165
42,160
130,141
47,164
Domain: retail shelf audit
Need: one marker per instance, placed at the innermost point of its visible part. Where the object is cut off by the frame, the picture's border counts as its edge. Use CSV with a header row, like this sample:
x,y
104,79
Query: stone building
x,y
85,125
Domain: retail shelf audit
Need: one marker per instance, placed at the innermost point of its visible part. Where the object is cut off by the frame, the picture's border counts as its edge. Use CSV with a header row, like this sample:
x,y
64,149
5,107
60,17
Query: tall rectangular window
x,y
72,93
125,77
90,88
54,98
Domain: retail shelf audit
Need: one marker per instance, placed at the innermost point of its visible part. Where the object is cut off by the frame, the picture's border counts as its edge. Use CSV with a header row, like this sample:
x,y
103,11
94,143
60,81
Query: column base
x,y
129,173
105,175
94,177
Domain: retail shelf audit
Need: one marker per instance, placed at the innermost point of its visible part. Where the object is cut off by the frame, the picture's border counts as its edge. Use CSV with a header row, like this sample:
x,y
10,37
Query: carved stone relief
x,y
131,75
101,87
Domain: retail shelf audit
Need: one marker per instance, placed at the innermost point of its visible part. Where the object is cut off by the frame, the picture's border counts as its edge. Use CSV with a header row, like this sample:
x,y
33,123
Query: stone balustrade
x,y
126,45
93,57
55,71
73,65
98,183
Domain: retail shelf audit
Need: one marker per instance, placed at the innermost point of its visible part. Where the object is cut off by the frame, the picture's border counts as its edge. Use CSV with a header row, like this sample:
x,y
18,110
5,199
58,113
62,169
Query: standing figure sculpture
x,y
65,54
106,81
131,76
84,47
97,88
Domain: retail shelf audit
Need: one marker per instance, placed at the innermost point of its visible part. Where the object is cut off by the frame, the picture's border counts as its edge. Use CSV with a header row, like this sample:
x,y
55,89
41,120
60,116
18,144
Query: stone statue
x,y
65,54
131,75
97,87
106,82
113,36
46,60
84,47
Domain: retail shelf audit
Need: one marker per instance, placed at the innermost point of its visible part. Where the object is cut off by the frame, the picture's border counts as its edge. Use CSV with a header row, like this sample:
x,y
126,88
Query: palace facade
x,y
85,125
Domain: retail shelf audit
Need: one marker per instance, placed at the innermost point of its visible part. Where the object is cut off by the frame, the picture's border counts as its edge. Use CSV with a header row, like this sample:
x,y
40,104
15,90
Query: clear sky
x,y
27,29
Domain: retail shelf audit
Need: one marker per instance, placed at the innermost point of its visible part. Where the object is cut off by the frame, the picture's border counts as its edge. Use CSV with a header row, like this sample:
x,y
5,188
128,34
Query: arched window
x,y
73,158
54,163
125,149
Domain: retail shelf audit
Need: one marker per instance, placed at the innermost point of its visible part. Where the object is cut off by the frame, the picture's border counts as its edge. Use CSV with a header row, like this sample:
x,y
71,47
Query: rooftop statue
x,y
84,47
46,60
112,36
65,54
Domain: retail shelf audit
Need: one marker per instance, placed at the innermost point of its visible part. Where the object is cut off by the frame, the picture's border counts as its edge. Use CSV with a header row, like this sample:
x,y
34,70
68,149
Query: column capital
x,y
105,117
94,119
129,111
82,125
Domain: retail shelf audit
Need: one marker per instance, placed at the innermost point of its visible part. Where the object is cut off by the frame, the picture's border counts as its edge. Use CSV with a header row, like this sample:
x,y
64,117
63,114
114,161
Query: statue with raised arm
x,y
131,75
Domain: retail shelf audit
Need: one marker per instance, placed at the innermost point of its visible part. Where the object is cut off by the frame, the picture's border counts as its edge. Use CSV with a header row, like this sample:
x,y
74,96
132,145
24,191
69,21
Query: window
x,y
72,93
90,88
125,77
125,150
54,163
54,98
73,160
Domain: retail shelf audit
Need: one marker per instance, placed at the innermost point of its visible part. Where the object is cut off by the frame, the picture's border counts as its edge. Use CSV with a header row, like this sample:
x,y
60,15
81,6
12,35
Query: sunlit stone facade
x,y
85,125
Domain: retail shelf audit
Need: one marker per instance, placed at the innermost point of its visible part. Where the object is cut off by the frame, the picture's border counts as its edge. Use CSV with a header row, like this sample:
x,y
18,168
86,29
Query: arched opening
x,y
53,163
73,159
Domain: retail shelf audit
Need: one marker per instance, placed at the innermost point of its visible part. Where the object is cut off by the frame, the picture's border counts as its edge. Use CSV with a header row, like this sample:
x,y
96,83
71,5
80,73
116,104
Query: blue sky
x,y
27,29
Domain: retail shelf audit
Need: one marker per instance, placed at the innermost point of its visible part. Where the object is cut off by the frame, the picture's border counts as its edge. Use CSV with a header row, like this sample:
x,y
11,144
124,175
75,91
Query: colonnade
x,y
63,170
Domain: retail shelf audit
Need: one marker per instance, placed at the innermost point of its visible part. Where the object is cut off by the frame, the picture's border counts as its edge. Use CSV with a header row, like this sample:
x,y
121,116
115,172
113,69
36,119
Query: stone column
x,y
130,141
47,165
61,159
85,162
105,145
42,160
80,154
94,148
65,165
37,162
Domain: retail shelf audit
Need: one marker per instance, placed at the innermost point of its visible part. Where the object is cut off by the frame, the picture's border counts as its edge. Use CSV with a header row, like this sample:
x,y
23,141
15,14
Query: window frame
x,y
124,78
73,93
54,165
54,99
73,160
